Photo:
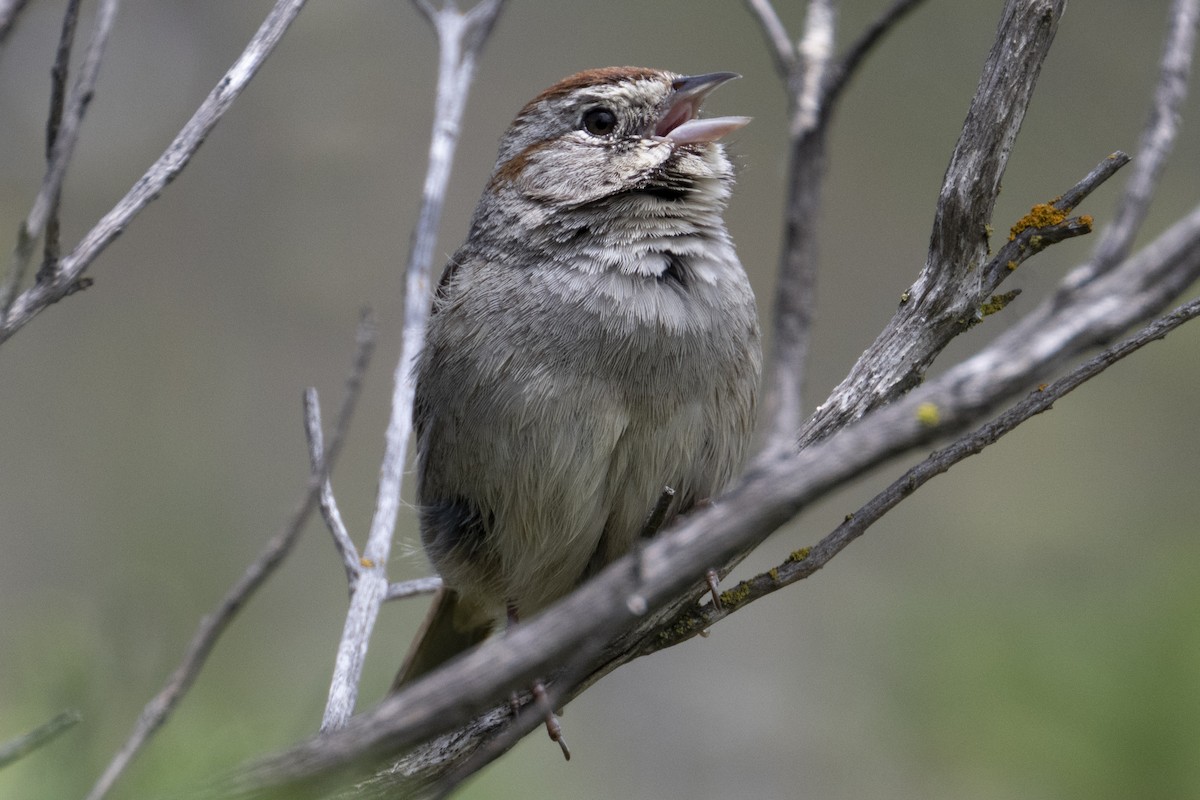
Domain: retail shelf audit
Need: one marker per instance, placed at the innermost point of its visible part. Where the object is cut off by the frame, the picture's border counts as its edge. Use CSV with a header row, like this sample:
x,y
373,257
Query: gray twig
x,y
18,748
460,39
46,202
67,279
327,502
58,94
1045,225
412,588
316,449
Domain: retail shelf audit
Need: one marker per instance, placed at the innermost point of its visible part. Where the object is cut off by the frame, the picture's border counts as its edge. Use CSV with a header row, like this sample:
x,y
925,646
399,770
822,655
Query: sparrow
x,y
594,341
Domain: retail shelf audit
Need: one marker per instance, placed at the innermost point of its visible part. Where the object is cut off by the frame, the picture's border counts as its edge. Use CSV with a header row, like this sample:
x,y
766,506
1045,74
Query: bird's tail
x,y
451,626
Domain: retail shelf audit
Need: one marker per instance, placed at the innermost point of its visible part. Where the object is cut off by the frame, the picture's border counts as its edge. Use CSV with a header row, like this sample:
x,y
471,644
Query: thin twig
x,y
215,623
795,293
38,297
658,514
815,51
25,744
1032,238
327,502
58,94
316,450
56,170
460,39
413,588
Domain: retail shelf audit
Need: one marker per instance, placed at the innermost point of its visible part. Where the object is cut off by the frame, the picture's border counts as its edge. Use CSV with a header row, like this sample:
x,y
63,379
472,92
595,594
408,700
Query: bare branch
x,y
460,39
177,155
214,624
58,94
316,449
327,501
46,202
803,563
417,586
18,748
815,51
795,294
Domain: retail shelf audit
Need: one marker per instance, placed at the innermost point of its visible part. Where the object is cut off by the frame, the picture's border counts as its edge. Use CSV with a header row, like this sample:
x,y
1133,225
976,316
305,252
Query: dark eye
x,y
599,121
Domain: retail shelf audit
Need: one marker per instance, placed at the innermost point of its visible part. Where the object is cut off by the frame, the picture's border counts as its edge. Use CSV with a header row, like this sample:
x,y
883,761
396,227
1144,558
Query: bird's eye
x,y
599,121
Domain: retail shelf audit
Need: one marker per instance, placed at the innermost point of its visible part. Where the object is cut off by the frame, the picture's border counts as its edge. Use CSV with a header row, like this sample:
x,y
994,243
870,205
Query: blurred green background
x,y
1027,626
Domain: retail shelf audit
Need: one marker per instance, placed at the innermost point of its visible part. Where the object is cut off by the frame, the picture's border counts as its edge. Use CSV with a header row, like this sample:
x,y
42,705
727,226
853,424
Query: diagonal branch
x,y
16,749
1046,224
769,495
631,604
804,563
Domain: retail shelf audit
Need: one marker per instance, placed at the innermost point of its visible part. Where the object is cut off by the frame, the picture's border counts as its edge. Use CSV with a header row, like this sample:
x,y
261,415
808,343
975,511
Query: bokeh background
x,y
1027,626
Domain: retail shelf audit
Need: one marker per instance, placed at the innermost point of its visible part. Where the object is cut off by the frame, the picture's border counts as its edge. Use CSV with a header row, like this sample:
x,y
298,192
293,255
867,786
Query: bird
x,y
594,341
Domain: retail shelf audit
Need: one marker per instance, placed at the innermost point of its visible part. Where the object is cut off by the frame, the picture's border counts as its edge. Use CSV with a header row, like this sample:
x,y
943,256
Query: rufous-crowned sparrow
x,y
594,340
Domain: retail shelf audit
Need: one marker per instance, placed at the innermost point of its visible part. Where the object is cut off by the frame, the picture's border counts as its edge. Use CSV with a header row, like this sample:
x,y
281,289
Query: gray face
x,y
592,136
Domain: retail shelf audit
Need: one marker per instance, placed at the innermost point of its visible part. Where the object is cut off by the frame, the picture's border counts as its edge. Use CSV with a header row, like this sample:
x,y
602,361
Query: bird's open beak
x,y
679,123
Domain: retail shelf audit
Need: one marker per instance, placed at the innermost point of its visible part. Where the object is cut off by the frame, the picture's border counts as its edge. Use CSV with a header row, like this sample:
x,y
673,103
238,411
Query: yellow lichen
x,y
928,414
1040,216
735,595
997,302
796,556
